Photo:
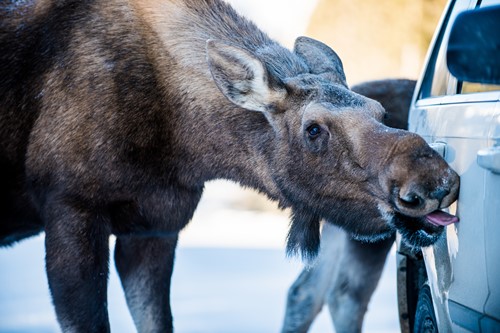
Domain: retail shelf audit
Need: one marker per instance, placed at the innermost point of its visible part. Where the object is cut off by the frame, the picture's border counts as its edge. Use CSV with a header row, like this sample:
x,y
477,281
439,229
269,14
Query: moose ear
x,y
320,58
241,77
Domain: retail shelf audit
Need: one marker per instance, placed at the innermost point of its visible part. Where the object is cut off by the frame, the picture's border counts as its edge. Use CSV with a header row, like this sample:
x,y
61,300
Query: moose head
x,y
331,157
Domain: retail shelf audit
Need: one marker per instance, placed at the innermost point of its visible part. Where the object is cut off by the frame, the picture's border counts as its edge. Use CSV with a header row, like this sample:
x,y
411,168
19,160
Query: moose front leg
x,y
145,266
77,254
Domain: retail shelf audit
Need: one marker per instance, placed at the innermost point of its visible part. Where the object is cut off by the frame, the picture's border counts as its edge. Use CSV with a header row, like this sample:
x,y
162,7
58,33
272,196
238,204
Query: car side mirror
x,y
473,53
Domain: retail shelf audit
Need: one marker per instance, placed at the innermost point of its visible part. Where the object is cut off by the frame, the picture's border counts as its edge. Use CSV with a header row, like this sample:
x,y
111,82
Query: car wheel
x,y
425,318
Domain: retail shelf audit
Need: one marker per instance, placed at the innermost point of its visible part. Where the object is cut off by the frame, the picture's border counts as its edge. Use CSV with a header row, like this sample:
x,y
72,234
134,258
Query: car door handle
x,y
489,159
439,147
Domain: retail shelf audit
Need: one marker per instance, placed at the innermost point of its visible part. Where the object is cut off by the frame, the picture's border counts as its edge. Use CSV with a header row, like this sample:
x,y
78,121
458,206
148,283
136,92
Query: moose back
x,y
115,113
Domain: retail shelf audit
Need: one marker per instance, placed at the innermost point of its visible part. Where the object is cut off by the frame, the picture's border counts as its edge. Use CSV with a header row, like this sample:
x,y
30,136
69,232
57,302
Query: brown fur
x,y
347,271
115,113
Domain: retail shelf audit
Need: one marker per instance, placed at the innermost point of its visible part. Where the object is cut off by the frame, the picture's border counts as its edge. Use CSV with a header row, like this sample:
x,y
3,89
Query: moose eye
x,y
313,131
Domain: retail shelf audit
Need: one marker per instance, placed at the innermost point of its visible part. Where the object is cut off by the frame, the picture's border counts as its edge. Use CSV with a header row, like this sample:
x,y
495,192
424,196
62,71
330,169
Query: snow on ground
x,y
231,276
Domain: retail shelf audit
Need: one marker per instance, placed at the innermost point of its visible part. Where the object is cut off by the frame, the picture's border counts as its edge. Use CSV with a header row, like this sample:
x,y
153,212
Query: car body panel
x,y
492,226
463,268
465,128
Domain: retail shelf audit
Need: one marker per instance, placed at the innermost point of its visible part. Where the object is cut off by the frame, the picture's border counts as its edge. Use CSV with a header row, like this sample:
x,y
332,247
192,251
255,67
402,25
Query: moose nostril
x,y
439,194
411,200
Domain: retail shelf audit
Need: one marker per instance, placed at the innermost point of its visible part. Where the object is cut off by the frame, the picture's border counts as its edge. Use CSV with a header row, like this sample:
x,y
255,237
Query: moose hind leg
x,y
77,255
145,266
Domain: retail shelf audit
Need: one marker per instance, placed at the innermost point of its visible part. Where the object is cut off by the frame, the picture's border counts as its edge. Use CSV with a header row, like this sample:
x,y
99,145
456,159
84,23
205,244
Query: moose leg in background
x,y
344,276
360,266
146,280
329,280
306,296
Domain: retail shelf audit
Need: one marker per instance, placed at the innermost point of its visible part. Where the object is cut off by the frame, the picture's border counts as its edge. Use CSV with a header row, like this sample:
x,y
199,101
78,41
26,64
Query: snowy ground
x,y
231,275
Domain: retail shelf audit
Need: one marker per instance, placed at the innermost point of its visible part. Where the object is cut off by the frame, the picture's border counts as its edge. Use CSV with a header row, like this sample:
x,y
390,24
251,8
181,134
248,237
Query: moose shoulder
x,y
115,113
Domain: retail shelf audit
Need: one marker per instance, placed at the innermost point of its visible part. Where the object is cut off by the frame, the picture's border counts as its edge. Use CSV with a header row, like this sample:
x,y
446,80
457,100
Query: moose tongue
x,y
440,218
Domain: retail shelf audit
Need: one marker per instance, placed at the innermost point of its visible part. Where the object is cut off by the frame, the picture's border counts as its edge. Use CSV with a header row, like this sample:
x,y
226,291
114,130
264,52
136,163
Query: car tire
x,y
425,318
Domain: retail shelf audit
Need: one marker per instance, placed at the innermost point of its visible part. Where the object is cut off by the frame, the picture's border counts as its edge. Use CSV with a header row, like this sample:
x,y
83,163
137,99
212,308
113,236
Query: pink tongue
x,y
441,218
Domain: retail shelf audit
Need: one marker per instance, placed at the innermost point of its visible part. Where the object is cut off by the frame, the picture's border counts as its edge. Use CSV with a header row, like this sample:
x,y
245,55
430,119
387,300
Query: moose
x,y
115,113
347,271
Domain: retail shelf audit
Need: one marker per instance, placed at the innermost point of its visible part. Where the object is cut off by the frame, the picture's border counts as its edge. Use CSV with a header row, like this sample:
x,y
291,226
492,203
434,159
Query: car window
x,y
472,87
437,80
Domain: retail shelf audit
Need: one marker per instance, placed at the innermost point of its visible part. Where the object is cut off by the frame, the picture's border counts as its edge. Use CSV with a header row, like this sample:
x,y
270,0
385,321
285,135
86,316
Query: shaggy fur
x,y
115,113
347,271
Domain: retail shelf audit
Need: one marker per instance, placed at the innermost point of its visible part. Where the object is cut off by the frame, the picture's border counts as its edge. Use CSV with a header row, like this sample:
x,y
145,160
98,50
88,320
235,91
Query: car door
x,y
489,159
462,119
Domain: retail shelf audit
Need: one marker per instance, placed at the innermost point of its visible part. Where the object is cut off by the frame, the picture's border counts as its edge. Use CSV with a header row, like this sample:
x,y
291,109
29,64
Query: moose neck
x,y
220,140
230,144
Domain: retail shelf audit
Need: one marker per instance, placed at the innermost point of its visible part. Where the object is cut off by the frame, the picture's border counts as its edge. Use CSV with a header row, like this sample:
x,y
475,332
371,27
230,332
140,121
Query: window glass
x,y
472,87
437,79
441,77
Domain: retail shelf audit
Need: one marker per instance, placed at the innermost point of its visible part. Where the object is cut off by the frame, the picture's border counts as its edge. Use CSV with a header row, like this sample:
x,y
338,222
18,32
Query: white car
x,y
454,285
